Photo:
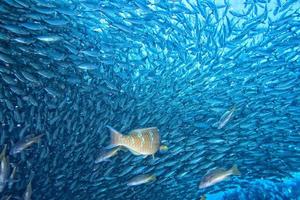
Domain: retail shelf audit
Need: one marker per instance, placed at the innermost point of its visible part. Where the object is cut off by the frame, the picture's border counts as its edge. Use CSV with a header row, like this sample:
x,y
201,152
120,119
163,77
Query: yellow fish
x,y
163,148
145,141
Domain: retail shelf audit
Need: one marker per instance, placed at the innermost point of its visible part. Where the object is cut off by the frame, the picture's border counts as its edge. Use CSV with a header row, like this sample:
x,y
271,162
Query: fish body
x,y
106,155
87,66
218,175
225,118
12,177
141,179
28,191
25,143
145,141
49,38
4,169
6,197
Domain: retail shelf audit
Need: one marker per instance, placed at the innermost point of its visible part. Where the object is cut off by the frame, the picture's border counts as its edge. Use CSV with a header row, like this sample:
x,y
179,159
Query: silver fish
x,y
225,118
25,143
141,179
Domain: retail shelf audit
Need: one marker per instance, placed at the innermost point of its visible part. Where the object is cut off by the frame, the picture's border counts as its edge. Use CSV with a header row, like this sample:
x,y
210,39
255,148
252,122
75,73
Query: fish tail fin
x,y
203,197
3,151
116,137
31,178
233,108
153,178
235,170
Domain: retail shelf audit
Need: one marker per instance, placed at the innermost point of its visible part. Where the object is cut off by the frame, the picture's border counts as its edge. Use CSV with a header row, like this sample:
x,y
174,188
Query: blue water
x,y
219,79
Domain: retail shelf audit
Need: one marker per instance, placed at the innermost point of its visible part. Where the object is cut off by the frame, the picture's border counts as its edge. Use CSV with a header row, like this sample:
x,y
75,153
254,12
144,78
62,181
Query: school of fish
x,y
147,99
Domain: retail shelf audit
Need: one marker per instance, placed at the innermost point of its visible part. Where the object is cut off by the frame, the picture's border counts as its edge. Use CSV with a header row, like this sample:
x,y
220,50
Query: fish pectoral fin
x,y
123,149
135,152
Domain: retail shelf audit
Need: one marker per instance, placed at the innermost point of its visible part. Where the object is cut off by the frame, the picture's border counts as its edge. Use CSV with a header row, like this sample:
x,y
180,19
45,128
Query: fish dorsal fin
x,y
142,130
123,149
134,132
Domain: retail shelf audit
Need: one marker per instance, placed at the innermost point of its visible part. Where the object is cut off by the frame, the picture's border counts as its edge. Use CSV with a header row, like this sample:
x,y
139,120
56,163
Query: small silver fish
x,y
4,169
225,118
12,177
25,143
218,175
49,38
141,179
104,156
87,66
28,192
6,197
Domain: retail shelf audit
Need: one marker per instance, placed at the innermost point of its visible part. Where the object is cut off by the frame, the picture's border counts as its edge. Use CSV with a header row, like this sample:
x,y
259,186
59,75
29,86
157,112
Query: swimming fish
x,y
225,118
4,169
49,38
25,143
87,66
145,141
7,197
104,156
141,179
12,177
28,191
218,175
